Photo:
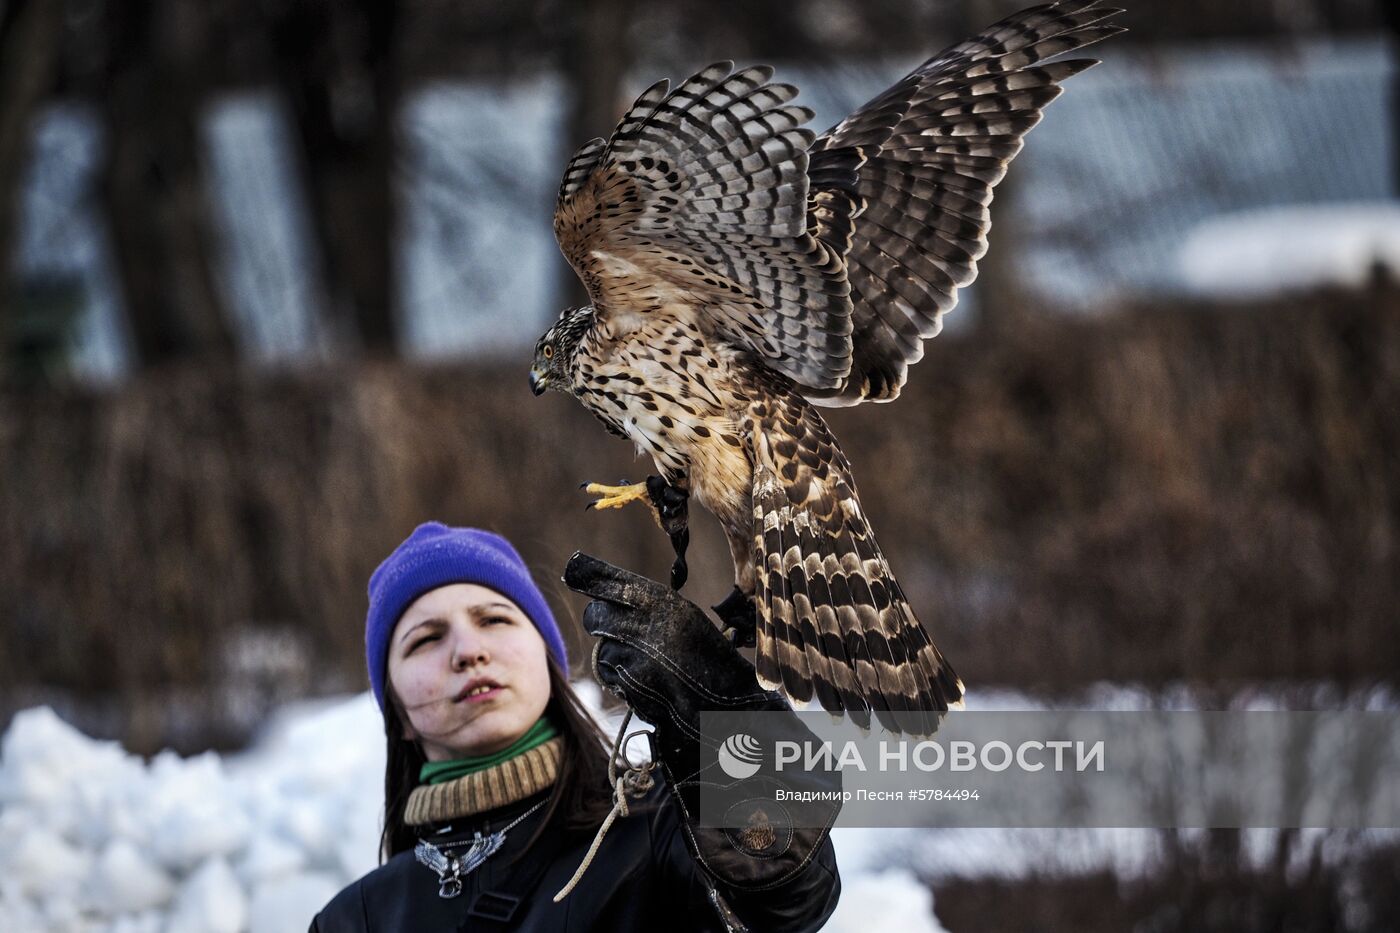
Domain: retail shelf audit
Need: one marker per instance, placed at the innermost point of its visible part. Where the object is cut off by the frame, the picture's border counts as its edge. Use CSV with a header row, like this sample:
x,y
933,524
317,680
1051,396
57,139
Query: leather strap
x,y
496,909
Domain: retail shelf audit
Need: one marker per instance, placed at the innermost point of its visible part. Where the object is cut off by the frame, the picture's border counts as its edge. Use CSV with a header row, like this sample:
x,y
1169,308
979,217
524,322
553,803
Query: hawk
x,y
743,271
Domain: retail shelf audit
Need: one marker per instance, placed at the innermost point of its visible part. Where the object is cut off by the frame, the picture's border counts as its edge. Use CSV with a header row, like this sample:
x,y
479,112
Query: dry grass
x,y
1198,493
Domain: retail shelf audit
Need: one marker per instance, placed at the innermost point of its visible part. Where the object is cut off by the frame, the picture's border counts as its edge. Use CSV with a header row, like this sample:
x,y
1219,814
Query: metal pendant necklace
x,y
451,868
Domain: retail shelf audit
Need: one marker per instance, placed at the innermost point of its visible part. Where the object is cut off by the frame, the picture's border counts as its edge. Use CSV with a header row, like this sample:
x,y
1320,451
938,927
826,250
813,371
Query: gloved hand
x,y
669,662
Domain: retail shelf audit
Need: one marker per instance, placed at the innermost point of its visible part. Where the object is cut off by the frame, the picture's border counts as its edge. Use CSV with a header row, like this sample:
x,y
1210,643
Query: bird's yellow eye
x,y
548,351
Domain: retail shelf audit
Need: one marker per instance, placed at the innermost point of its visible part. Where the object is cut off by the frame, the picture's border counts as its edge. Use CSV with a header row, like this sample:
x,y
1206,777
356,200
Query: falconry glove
x,y
663,655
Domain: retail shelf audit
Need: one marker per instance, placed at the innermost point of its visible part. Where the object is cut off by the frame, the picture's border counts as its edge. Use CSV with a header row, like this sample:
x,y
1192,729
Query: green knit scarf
x,y
438,772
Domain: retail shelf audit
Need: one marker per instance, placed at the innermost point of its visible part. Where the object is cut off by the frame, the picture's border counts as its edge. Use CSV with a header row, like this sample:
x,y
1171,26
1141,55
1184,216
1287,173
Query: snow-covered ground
x,y
93,838
1274,250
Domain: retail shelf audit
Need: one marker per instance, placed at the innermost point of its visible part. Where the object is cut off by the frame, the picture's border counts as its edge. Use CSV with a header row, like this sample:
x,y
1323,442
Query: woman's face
x,y
469,669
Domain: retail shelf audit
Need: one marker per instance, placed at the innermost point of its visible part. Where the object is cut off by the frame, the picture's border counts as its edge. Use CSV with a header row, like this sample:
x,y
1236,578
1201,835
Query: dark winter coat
x,y
642,879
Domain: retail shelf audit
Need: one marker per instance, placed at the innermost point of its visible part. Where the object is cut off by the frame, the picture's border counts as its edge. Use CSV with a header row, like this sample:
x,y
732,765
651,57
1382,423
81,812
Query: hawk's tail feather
x,y
833,624
945,683
812,660
892,637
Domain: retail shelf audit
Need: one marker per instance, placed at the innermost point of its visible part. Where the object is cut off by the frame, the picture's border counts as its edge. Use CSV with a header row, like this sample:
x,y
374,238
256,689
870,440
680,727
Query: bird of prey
x,y
742,271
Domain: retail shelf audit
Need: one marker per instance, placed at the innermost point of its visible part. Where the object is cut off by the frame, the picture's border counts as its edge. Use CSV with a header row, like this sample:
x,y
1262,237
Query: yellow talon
x,y
615,497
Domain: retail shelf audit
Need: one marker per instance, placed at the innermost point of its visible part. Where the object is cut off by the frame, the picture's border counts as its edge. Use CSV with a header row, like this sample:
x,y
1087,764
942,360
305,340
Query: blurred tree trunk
x,y
336,67
152,184
30,34
594,55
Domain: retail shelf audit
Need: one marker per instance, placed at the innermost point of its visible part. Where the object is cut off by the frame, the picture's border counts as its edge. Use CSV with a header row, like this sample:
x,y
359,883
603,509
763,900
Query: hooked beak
x,y
537,382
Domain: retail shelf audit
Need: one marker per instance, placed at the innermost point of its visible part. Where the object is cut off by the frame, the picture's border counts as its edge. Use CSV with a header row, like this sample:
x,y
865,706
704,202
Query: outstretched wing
x,y
700,199
920,161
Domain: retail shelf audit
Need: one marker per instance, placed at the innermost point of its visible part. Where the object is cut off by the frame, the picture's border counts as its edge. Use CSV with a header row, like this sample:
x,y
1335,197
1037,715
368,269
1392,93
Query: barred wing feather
x,y
700,199
920,162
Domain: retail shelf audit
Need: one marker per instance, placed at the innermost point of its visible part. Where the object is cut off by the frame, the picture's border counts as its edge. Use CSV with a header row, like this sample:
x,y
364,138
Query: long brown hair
x,y
579,800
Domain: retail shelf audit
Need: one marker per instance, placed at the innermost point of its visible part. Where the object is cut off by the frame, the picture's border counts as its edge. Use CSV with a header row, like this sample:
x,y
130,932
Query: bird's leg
x,y
614,497
672,507
669,506
740,618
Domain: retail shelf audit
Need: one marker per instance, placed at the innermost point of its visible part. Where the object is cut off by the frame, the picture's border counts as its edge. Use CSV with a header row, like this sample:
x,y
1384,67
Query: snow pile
x,y
96,839
892,899
875,895
1269,251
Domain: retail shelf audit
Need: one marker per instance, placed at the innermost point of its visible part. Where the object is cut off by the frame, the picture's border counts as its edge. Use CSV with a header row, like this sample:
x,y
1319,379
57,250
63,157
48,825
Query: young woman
x,y
497,781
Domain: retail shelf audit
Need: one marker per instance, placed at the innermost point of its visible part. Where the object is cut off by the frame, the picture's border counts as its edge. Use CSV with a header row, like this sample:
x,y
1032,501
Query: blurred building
x,y
1135,156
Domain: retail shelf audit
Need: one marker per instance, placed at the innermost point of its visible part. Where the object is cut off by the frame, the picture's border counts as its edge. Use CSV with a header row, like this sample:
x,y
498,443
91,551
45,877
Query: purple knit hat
x,y
436,555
